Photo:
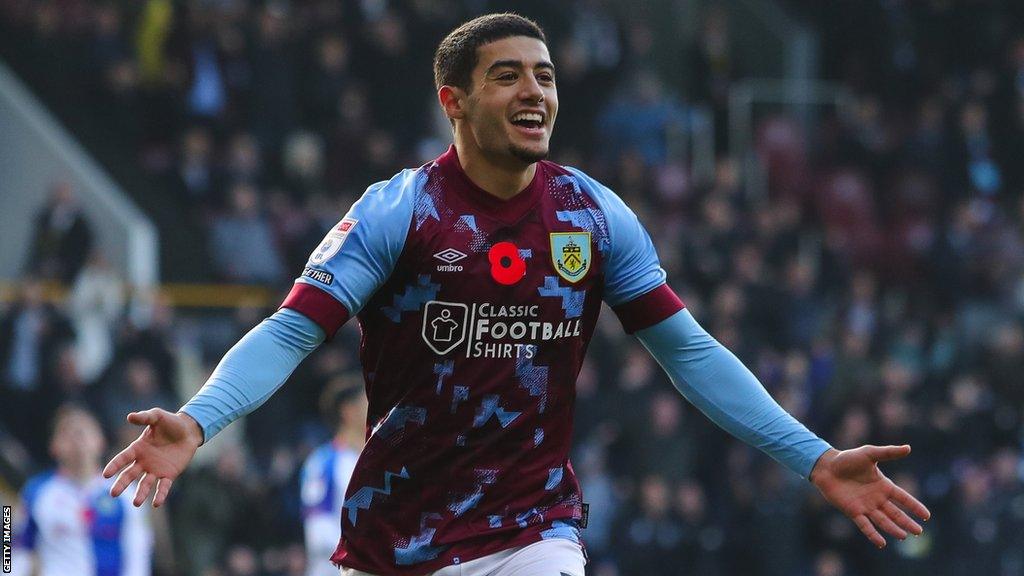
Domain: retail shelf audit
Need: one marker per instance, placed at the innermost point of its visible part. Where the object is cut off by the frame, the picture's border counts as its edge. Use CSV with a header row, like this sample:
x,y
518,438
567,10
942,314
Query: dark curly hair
x,y
456,55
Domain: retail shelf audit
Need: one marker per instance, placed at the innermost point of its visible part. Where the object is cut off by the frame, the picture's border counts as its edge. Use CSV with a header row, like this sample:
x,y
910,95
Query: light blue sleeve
x,y
253,370
717,383
632,268
358,255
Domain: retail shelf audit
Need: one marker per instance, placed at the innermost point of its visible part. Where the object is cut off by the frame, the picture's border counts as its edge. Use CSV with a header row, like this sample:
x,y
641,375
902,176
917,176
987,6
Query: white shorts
x,y
553,557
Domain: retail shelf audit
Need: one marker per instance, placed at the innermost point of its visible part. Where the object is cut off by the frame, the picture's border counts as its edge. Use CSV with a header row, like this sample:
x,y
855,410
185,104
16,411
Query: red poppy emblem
x,y
507,267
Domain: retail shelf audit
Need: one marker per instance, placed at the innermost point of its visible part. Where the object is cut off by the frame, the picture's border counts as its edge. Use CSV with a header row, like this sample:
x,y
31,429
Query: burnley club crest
x,y
570,253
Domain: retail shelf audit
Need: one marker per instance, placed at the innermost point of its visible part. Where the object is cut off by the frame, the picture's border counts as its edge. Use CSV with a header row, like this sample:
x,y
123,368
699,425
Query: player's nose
x,y
530,89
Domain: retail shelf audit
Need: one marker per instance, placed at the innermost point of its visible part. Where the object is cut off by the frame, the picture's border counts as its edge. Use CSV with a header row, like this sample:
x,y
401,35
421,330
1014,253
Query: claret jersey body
x,y
475,314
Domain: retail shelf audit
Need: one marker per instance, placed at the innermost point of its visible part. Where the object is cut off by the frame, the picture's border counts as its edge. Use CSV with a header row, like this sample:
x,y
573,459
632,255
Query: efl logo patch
x,y
570,254
322,276
333,241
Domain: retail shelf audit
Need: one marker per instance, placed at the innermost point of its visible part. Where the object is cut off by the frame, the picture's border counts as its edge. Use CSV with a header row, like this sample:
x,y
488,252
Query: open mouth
x,y
530,122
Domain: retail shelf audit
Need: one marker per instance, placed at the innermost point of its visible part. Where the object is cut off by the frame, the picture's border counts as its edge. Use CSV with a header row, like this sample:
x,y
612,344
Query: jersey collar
x,y
507,211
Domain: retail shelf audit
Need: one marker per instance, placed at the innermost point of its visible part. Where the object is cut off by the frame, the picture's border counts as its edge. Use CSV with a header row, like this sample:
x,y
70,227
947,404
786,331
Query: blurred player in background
x,y
477,280
71,524
327,470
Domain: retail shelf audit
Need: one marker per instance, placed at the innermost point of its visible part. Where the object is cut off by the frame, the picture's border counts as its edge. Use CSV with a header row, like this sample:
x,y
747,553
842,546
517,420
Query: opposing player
x,y
327,470
477,280
72,525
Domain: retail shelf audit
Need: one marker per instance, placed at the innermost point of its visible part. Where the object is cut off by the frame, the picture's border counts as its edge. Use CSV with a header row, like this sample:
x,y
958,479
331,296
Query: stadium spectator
x,y
213,511
62,238
32,335
196,175
95,304
642,120
148,331
273,104
71,524
649,536
242,241
712,69
327,470
303,159
244,159
135,385
703,532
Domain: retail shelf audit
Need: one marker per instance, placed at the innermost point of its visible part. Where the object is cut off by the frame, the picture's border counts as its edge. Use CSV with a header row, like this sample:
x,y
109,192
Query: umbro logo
x,y
449,256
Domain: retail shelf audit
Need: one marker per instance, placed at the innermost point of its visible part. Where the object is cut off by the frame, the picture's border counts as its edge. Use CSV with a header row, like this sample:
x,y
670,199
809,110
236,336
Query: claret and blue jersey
x,y
475,314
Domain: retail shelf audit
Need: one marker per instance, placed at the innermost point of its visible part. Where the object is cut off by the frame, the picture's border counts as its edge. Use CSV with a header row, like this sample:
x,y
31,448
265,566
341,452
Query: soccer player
x,y
477,280
327,470
72,524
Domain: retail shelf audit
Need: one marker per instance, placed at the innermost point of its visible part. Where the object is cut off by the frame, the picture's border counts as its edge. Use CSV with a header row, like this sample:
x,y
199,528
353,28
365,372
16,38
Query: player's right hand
x,y
157,456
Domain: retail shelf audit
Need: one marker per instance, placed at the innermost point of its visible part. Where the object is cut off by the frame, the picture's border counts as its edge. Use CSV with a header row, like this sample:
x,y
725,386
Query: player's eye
x,y
546,78
507,77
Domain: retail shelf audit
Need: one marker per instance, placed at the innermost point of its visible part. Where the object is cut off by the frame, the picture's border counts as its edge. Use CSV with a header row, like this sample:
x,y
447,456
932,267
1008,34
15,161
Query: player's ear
x,y
453,100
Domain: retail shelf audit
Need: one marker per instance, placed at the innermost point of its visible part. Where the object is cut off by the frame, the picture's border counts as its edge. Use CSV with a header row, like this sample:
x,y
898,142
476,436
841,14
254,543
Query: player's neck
x,y
82,473
354,438
503,180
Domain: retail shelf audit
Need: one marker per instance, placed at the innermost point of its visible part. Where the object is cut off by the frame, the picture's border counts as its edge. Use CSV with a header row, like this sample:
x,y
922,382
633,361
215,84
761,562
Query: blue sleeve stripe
x,y
717,383
253,370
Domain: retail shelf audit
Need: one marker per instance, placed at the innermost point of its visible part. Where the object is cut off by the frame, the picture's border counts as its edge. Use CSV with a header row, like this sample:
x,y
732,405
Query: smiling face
x,y
509,110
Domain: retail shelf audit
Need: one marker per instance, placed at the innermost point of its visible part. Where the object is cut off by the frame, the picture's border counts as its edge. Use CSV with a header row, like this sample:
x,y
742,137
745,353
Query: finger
x,y
123,458
883,453
878,518
145,418
143,489
125,478
908,502
901,519
163,486
868,529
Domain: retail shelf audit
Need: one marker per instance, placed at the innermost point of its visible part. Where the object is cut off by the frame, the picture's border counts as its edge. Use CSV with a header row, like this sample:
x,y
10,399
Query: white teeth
x,y
528,116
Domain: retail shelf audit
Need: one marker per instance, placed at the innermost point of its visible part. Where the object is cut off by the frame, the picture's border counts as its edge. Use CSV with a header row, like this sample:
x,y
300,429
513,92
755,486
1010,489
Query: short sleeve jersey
x,y
325,476
475,313
78,528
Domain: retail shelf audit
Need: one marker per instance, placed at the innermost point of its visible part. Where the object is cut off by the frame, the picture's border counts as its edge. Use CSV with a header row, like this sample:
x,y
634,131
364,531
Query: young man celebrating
x,y
477,280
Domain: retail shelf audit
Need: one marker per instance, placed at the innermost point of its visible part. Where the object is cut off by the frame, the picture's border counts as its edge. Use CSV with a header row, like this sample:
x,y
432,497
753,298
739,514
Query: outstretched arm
x,y
355,258
715,381
247,375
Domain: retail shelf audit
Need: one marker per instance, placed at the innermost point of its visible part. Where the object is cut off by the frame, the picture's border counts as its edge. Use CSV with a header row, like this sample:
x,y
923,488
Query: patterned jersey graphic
x,y
475,315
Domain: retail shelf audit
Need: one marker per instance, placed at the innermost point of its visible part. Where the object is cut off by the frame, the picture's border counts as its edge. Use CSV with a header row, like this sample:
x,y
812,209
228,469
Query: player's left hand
x,y
851,481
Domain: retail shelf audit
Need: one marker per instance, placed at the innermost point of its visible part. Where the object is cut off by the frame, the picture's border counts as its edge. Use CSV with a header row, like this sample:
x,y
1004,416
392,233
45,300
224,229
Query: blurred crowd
x,y
876,285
